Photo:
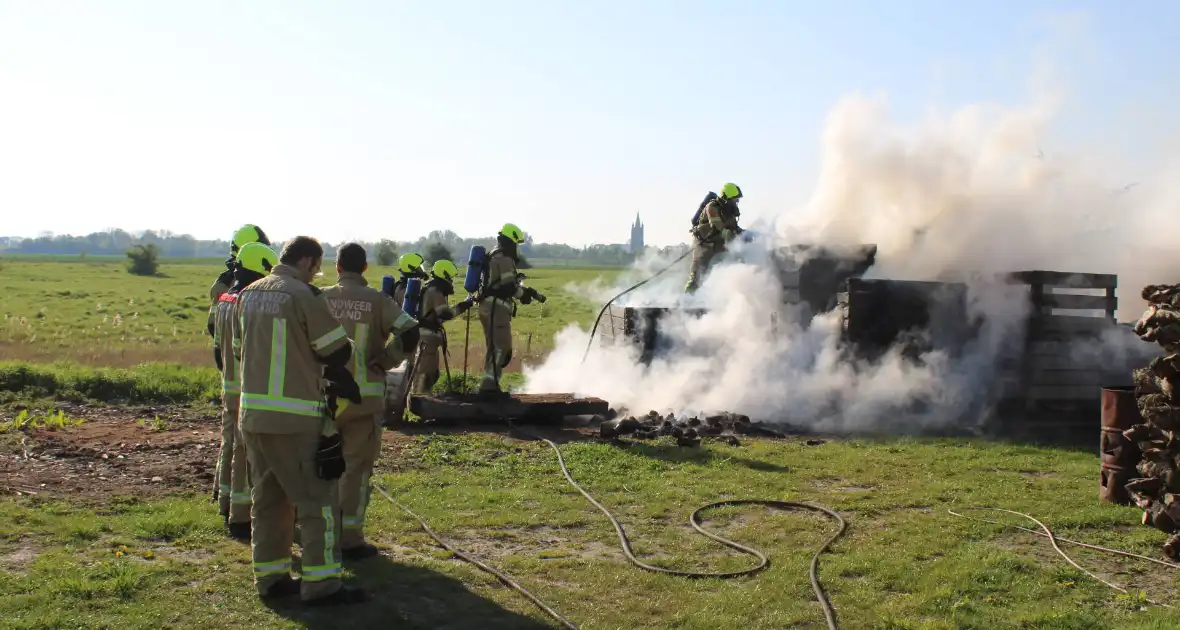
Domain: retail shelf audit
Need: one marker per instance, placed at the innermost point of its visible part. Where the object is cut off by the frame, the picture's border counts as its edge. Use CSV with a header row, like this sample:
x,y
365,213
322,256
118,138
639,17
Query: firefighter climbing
x,y
714,226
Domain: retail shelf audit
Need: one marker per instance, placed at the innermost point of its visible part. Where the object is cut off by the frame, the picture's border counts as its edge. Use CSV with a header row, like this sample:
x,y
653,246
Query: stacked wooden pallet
x,y
1069,314
921,315
638,325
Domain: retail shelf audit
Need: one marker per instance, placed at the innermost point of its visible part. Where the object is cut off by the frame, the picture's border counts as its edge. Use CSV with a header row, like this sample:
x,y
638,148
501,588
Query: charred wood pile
x,y
1157,391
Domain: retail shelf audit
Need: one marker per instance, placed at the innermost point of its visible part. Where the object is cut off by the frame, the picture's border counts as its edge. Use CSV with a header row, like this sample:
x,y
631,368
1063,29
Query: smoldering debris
x,y
687,430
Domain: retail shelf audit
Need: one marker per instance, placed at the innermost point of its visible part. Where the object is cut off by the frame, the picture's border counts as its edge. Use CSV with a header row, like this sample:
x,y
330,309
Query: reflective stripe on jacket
x,y
369,317
284,328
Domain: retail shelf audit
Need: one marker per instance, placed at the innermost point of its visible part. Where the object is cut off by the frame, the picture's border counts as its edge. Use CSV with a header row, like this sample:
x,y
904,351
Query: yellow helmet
x,y
513,233
731,191
444,269
258,258
409,263
248,233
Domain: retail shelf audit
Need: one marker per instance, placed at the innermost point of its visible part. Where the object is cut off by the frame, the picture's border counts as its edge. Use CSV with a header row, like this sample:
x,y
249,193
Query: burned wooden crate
x,y
921,316
641,326
813,275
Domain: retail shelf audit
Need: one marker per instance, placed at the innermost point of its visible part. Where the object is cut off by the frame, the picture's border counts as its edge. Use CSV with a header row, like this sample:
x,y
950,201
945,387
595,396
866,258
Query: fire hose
x,y
625,543
1045,532
632,288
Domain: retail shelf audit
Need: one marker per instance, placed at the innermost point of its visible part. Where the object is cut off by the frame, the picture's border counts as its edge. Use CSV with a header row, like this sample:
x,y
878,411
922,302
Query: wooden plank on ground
x,y
517,406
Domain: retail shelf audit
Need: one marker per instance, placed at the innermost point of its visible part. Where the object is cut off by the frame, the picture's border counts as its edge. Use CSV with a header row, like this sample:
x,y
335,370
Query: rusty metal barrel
x,y
1119,455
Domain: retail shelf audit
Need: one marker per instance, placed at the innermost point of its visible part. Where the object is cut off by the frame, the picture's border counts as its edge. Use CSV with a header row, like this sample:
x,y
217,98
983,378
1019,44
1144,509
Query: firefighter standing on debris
x,y
245,235
434,310
715,226
499,290
254,261
288,342
369,317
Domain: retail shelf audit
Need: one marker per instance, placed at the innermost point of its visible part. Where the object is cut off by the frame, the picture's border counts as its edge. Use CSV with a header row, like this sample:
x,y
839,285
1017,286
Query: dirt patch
x,y
161,450
20,559
117,451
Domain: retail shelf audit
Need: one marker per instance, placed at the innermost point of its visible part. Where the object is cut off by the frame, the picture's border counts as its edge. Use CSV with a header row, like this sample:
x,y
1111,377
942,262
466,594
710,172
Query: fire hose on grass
x,y
625,543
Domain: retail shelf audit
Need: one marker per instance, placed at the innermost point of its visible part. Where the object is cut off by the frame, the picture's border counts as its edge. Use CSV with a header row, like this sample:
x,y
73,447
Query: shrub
x,y
386,253
143,260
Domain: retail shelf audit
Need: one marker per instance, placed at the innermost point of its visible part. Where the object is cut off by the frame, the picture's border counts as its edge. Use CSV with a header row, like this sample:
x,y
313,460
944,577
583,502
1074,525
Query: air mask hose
x,y
632,288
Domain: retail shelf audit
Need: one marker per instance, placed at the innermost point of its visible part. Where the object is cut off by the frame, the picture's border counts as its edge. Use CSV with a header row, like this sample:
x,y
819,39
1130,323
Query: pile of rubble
x,y
688,430
1157,391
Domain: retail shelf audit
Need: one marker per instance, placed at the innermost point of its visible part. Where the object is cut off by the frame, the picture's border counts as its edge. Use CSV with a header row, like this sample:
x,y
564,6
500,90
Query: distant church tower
x,y
637,235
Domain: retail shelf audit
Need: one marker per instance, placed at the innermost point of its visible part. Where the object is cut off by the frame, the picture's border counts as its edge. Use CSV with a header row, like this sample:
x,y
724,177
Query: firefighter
x,y
499,291
434,309
408,266
288,343
369,317
246,234
715,227
254,261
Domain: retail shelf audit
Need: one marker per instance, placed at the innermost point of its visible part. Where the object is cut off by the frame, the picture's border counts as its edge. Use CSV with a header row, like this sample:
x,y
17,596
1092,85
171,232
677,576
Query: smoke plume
x,y
961,197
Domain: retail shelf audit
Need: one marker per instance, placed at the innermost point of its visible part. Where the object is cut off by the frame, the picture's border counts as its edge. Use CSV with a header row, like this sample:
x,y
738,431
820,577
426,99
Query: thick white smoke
x,y
960,196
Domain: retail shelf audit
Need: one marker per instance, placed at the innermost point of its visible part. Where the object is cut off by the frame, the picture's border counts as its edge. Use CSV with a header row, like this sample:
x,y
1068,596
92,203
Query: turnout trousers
x,y
287,492
360,438
233,482
495,315
703,257
429,361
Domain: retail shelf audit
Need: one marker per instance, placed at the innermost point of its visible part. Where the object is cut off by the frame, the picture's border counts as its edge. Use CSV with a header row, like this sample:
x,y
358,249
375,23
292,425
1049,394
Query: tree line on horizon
x,y
433,246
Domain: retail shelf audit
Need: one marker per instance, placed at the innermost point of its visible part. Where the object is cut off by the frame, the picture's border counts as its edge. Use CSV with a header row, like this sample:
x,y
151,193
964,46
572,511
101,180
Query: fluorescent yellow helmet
x,y
513,233
409,263
731,191
258,258
444,269
248,233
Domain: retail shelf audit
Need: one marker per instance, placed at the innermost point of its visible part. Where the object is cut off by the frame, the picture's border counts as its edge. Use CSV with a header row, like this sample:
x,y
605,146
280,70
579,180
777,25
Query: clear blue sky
x,y
350,119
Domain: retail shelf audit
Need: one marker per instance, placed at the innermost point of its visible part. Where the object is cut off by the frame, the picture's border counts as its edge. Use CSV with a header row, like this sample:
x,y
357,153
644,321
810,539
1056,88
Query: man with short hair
x,y
382,335
288,341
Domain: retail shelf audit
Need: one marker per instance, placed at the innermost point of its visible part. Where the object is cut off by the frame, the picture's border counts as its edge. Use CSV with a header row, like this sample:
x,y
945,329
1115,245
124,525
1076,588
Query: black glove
x,y
533,294
342,385
527,298
217,359
410,339
329,458
462,307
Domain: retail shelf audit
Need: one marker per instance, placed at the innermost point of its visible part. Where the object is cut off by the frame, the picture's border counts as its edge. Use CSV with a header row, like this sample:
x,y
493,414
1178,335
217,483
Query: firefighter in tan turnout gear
x,y
498,293
245,235
716,225
433,311
369,317
290,344
254,261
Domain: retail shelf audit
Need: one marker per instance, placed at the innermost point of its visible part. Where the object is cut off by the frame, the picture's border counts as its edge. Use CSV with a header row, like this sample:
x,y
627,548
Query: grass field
x,y
95,313
905,562
108,433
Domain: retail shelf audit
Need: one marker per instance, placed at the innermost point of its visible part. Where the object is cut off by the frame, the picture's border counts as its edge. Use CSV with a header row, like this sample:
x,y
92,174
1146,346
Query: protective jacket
x,y
286,335
717,223
434,306
369,318
219,287
500,278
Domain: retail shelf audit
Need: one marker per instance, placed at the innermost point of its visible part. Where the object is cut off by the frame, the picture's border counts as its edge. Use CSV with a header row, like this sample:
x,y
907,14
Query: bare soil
x,y
124,451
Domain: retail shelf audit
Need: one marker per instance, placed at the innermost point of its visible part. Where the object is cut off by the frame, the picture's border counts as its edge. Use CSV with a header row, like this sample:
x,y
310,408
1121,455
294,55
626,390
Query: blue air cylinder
x,y
475,262
410,303
387,285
